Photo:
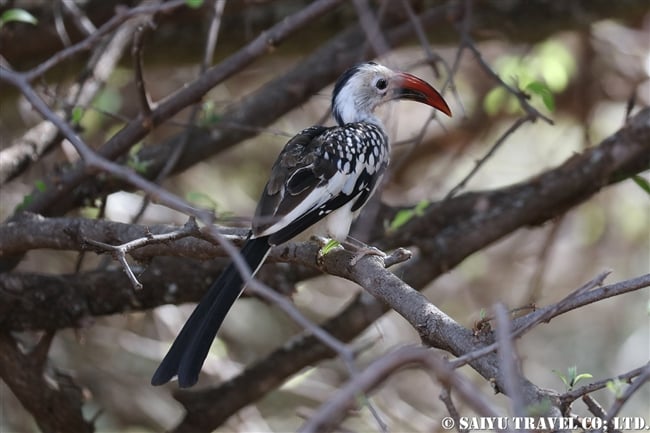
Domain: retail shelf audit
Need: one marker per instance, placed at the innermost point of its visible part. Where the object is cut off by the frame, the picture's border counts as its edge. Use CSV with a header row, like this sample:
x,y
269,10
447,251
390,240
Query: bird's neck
x,y
345,115
350,107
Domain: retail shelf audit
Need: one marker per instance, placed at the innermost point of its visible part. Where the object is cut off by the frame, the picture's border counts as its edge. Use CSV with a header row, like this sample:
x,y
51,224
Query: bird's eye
x,y
381,84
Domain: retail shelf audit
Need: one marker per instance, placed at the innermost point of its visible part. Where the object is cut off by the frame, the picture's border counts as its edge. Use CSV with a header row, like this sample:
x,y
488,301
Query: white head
x,y
364,87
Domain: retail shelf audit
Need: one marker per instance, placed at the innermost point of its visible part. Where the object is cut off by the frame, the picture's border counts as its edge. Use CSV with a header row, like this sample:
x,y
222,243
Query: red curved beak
x,y
415,89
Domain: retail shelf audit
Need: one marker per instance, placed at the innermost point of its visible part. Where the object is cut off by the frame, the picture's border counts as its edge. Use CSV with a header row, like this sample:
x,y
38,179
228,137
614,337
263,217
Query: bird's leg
x,y
361,250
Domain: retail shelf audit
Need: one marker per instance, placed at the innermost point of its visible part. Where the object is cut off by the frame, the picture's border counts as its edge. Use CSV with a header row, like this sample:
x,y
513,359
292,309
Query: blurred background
x,y
590,69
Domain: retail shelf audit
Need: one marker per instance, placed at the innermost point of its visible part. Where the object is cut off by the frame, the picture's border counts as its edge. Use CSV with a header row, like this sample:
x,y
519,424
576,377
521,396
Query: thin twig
x,y
636,384
531,320
178,151
507,360
136,53
573,394
94,161
370,26
119,252
536,281
121,16
445,397
82,22
479,163
333,411
521,96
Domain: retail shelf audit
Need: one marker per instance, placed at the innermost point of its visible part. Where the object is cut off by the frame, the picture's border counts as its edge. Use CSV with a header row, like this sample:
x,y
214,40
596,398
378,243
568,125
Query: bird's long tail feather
x,y
188,352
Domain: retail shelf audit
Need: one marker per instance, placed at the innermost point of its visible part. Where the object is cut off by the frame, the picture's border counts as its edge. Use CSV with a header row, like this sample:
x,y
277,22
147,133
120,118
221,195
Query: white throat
x,y
352,105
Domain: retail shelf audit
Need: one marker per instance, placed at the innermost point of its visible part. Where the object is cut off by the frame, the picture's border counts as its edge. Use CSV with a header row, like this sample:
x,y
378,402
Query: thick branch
x,y
57,407
469,222
622,154
26,44
487,216
59,190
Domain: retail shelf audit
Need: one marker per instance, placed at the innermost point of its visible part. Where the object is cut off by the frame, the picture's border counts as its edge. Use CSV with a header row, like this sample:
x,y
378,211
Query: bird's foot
x,y
361,250
366,251
397,256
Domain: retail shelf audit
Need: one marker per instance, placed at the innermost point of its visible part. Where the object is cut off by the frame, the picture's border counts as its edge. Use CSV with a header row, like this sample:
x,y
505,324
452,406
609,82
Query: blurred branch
x,y
81,20
136,54
253,111
331,414
570,396
480,162
59,189
469,222
515,19
44,302
208,54
641,379
624,152
121,16
57,406
15,158
93,161
508,360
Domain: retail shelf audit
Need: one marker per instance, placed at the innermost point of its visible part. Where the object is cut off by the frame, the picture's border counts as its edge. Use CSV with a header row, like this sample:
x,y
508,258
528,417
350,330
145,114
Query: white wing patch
x,y
319,196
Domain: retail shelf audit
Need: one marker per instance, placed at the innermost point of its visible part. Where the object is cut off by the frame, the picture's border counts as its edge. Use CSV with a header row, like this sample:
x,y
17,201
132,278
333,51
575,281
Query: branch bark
x,y
57,407
469,222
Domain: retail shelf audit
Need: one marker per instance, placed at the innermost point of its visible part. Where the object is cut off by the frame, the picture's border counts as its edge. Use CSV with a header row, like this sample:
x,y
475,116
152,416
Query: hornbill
x,y
320,181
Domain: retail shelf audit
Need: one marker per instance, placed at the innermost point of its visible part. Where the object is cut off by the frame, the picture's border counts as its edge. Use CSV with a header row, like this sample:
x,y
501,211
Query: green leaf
x,y
401,218
40,185
581,376
495,100
201,199
405,215
27,199
616,387
572,377
563,377
194,4
134,160
329,246
77,114
543,91
421,207
642,182
17,15
209,115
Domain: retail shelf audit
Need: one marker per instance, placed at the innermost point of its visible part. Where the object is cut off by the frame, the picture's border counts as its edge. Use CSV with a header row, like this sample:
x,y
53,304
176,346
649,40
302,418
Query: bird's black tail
x,y
188,352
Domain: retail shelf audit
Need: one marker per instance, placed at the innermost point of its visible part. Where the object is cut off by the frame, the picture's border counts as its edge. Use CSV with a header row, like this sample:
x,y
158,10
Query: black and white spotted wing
x,y
319,171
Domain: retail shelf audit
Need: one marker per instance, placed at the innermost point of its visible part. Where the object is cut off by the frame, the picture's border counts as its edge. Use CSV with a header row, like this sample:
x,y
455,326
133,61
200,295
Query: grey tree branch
x,y
468,222
458,221
48,200
58,405
331,413
16,157
441,226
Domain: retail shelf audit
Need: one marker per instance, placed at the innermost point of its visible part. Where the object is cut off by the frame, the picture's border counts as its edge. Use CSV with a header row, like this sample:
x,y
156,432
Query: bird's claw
x,y
366,251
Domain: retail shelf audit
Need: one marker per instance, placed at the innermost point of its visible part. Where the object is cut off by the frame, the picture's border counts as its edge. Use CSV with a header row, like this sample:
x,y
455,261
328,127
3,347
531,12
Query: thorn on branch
x,y
398,256
136,52
119,252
